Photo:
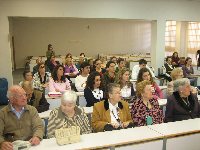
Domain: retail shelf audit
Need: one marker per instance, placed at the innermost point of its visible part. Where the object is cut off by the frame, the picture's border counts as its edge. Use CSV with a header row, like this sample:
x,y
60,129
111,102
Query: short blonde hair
x,y
140,87
27,85
69,96
175,72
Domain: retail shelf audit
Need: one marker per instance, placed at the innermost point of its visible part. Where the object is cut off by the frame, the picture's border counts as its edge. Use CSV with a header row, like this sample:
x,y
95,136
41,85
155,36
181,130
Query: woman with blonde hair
x,y
123,79
145,110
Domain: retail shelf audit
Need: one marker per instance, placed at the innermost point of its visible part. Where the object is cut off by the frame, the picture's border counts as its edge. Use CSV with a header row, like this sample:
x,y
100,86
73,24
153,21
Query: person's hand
x,y
115,125
35,140
6,146
57,90
45,85
125,124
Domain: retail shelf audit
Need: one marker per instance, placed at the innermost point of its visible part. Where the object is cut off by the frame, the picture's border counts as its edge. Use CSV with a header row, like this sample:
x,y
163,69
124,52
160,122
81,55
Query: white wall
x,y
124,9
91,36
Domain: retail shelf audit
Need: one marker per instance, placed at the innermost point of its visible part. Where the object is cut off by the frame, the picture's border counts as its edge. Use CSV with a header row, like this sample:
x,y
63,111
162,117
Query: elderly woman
x,y
41,78
145,74
111,114
67,115
177,73
182,104
145,110
58,83
123,79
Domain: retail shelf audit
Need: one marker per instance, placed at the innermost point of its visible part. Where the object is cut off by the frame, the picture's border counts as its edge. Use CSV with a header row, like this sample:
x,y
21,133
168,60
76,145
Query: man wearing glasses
x,y
19,121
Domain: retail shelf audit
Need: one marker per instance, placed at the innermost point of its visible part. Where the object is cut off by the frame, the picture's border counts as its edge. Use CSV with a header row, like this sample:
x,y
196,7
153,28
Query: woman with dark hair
x,y
123,79
28,76
188,71
50,52
97,67
92,91
175,59
41,78
52,63
58,83
198,58
144,74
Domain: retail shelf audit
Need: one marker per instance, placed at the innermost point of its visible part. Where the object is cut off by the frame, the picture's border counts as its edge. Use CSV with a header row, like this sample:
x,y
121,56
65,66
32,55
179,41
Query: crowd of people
x,y
117,102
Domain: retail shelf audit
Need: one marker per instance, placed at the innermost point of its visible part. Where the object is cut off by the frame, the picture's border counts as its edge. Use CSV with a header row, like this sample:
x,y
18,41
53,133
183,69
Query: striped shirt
x,y
58,119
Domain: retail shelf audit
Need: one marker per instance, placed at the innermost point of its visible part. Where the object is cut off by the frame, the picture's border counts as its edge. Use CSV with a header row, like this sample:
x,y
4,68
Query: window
x,y
193,36
170,36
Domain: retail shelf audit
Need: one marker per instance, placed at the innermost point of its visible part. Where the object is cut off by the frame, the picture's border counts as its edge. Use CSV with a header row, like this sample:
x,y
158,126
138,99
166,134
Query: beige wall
x,y
91,36
158,10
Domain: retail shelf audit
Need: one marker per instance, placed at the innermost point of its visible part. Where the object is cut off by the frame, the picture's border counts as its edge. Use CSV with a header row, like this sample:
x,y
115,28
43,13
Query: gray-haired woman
x,y
67,115
182,104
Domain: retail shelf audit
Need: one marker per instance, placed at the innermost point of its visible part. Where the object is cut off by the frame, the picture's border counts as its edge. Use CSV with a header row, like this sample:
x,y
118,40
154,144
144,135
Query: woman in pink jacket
x,y
144,74
58,82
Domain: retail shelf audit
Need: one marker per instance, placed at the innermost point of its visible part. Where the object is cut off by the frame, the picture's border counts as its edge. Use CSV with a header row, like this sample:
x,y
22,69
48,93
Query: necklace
x,y
185,100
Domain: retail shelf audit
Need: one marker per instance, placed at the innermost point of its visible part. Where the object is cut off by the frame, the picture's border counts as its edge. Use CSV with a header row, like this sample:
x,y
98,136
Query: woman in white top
x,y
123,79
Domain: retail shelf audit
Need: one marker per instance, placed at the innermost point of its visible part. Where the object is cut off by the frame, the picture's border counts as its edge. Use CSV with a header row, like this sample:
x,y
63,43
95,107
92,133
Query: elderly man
x,y
111,114
19,121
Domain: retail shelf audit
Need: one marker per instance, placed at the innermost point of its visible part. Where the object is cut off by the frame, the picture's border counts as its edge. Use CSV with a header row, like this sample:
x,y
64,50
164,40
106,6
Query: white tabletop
x,y
172,129
104,139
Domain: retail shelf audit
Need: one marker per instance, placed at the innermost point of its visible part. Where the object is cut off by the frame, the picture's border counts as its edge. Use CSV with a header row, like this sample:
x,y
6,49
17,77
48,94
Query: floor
x,y
17,76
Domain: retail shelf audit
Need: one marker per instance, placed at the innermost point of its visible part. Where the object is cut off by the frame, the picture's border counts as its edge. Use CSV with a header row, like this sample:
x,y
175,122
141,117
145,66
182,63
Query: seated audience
x,y
93,92
111,114
52,63
58,82
81,60
50,52
41,78
182,104
136,69
175,59
98,68
67,115
70,69
109,76
80,81
120,65
28,76
144,74
36,67
145,110
35,98
169,68
91,63
19,121
188,72
123,79
177,73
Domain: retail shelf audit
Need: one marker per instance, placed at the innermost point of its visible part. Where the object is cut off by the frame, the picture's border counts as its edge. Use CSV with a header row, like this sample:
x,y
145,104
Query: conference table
x,y
180,135
133,138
